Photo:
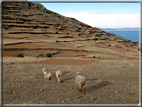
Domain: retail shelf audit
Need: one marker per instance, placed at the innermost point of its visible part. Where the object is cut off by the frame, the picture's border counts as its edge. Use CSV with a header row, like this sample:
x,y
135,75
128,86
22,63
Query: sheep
x,y
49,75
58,75
44,70
80,81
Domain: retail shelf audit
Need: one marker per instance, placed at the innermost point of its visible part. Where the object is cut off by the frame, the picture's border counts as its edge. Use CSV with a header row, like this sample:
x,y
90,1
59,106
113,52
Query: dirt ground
x,y
108,82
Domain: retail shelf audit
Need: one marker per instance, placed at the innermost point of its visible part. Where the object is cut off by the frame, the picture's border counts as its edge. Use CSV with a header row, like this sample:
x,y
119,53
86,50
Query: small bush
x,y
49,55
99,35
79,34
57,33
109,45
94,56
127,49
20,55
57,41
40,55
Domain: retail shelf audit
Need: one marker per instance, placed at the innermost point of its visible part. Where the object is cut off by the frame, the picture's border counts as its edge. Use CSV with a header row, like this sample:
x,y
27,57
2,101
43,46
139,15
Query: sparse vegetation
x,y
57,41
79,34
40,55
99,35
20,55
95,39
49,55
78,30
94,56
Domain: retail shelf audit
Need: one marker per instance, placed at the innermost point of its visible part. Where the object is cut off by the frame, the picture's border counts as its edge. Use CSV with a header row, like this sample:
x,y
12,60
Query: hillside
x,y
27,23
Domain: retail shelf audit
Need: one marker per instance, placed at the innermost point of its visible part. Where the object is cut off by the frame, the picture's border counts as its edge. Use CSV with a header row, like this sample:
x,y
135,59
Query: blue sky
x,y
100,14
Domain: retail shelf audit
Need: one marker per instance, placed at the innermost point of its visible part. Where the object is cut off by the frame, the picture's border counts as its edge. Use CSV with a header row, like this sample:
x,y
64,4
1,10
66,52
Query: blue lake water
x,y
132,35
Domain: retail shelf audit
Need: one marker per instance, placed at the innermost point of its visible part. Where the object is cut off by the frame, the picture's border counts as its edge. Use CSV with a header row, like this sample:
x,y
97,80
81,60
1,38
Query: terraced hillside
x,y
30,26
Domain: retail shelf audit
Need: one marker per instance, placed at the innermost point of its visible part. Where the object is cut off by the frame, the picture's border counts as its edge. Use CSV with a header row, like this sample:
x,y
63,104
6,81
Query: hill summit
x,y
30,26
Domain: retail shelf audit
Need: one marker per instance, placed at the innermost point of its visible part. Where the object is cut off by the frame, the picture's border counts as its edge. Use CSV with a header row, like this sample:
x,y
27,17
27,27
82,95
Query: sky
x,y
102,15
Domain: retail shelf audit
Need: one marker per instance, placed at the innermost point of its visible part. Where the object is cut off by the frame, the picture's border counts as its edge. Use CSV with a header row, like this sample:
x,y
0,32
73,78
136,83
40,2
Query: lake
x,y
132,35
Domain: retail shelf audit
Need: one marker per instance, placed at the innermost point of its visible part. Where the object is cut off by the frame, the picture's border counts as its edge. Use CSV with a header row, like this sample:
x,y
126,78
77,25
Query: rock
x,y
41,89
124,66
93,98
123,100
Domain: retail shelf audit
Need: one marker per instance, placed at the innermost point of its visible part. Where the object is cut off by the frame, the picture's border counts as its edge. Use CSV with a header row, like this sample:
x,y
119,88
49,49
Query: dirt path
x,y
108,82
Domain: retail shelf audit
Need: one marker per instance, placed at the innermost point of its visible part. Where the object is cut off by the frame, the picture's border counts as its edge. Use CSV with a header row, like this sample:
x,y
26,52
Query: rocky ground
x,y
108,82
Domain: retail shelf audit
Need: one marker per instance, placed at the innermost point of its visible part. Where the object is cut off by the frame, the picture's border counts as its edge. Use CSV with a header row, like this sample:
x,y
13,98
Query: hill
x,y
27,23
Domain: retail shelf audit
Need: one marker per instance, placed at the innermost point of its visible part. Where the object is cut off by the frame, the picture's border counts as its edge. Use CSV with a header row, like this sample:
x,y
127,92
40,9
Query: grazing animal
x,y
44,70
49,75
58,75
80,81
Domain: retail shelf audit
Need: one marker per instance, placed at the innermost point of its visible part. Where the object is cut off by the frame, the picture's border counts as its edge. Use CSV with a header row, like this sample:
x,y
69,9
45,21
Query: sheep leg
x,y
80,88
49,78
44,75
77,86
58,80
84,88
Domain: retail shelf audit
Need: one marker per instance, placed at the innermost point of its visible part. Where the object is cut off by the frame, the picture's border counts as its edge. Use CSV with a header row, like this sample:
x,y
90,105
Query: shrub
x,y
94,57
95,39
20,55
127,49
79,34
78,30
109,45
90,32
135,43
49,55
57,41
99,35
57,33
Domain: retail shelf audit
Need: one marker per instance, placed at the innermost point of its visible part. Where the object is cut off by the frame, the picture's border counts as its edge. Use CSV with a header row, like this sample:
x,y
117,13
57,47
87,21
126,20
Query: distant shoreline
x,y
136,28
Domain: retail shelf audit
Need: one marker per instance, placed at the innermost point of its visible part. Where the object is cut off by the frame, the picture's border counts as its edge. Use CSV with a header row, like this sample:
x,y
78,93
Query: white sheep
x,y
80,81
44,70
49,75
58,75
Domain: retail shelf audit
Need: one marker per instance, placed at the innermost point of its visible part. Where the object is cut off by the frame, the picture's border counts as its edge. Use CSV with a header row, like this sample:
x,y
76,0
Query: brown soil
x,y
10,53
63,62
108,82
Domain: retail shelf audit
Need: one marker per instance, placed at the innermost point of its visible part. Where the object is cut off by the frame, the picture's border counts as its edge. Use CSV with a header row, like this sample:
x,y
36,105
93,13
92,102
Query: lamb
x,y
58,75
44,70
80,81
49,75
